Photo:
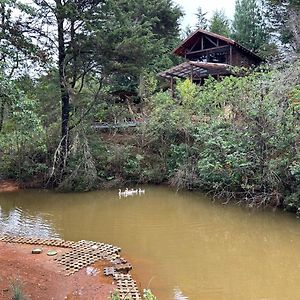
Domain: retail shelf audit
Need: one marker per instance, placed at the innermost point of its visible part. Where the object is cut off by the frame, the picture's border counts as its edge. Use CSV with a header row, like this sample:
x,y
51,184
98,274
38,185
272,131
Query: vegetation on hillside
x,y
237,138
68,67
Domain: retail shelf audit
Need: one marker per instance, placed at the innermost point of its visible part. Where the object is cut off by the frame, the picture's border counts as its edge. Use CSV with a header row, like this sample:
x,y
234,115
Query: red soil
x,y
42,278
8,186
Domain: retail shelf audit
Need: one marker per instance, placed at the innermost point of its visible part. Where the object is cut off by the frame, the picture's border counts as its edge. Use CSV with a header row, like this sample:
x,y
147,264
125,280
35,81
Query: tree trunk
x,y
2,114
65,98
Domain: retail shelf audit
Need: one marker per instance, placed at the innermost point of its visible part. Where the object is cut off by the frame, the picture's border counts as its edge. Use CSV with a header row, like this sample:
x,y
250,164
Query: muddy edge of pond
x,y
9,186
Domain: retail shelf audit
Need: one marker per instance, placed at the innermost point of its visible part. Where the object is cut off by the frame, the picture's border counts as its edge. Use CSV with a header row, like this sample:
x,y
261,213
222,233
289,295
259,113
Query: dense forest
x,y
75,74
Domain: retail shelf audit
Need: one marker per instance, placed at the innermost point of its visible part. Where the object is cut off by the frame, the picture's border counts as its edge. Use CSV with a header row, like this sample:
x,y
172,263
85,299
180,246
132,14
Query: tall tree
x,y
202,21
66,26
249,26
138,33
284,15
138,37
219,23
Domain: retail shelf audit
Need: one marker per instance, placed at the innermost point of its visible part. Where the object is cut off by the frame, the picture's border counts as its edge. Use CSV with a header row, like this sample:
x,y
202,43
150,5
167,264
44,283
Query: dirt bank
x,y
8,186
42,278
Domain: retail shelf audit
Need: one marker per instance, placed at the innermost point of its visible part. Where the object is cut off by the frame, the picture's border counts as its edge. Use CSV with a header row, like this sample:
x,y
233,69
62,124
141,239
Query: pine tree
x,y
284,15
188,30
219,23
202,21
17,48
249,27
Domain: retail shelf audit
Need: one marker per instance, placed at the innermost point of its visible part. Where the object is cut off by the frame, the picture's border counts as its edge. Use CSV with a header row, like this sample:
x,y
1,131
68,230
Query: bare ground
x,y
42,278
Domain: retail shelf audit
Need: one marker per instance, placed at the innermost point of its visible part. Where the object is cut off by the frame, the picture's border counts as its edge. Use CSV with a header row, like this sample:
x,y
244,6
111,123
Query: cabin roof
x,y
196,70
191,39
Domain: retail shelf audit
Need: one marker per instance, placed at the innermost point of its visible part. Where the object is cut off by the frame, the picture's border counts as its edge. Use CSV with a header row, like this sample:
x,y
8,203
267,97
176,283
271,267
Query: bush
x,y
22,137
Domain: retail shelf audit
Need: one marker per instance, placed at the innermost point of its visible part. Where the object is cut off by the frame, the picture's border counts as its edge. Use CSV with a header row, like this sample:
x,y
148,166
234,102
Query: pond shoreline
x,y
9,186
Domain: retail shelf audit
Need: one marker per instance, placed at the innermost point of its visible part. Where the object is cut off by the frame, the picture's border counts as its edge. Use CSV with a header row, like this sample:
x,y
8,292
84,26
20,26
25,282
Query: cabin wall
x,y
240,59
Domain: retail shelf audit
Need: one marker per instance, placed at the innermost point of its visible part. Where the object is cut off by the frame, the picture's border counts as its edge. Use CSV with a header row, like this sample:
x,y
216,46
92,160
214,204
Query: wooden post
x,y
230,55
192,71
172,87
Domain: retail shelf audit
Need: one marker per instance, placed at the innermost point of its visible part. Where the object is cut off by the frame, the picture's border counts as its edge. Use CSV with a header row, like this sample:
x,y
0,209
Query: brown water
x,y
182,245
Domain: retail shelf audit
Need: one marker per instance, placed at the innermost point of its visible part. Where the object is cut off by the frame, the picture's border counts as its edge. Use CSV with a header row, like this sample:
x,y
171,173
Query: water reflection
x,y
17,222
178,295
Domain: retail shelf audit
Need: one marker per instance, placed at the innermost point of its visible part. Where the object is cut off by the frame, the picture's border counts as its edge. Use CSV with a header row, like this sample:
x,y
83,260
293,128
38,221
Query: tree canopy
x,y
249,25
219,23
202,21
284,18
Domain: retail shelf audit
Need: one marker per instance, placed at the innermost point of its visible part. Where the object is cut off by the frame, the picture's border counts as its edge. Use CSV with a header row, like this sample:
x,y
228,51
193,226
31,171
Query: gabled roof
x,y
191,39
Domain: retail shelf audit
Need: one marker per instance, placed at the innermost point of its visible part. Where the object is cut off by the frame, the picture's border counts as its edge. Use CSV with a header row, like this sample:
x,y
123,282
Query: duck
x,y
134,191
128,192
141,191
122,194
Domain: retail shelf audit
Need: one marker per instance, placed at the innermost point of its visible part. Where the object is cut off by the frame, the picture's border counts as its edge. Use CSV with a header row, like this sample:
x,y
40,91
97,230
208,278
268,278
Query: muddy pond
x,y
182,245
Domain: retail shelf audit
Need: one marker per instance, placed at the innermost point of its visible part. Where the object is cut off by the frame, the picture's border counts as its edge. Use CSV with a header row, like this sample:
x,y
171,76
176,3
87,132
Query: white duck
x,y
128,192
141,191
134,191
122,194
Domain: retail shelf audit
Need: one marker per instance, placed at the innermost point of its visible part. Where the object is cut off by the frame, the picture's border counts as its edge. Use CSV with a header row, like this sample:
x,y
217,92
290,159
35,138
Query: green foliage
x,y
249,26
147,295
202,21
80,172
236,137
137,35
114,295
148,85
167,120
105,47
247,142
16,287
16,48
22,140
284,18
219,23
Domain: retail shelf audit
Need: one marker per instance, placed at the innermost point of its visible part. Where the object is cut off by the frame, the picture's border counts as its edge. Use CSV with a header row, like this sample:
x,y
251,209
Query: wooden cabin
x,y
209,54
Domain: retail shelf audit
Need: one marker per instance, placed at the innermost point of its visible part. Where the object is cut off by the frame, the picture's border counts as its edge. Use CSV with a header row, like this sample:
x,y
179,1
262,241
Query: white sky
x,y
190,8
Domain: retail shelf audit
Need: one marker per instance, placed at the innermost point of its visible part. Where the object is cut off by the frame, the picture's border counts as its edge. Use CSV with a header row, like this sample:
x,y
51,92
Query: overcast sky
x,y
190,8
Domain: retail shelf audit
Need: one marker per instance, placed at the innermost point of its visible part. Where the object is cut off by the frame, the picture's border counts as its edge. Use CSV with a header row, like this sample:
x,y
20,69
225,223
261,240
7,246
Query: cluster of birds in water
x,y
131,192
